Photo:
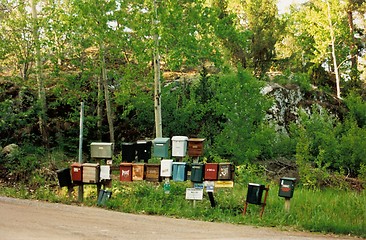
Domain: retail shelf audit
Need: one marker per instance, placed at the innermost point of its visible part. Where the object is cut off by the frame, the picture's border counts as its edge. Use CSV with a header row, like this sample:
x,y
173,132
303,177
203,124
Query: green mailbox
x,y
197,172
161,147
287,186
179,171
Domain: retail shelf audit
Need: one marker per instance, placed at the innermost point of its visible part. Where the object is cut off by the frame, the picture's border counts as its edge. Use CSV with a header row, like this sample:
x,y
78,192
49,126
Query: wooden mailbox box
x,y
195,147
90,172
153,172
138,171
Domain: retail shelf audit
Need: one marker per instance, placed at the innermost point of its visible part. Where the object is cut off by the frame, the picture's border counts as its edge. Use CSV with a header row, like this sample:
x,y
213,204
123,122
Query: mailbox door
x,y
101,150
128,152
166,168
153,172
211,170
179,146
105,172
197,172
161,147
287,186
224,171
195,147
90,172
255,192
64,177
138,171
143,150
125,172
179,171
76,172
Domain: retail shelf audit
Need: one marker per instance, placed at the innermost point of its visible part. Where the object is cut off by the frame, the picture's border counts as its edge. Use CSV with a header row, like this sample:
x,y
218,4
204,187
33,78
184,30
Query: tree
x,y
263,22
39,75
320,30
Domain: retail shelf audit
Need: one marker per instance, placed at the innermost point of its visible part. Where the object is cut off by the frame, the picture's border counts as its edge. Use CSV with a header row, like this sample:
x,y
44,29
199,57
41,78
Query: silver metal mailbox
x,y
101,150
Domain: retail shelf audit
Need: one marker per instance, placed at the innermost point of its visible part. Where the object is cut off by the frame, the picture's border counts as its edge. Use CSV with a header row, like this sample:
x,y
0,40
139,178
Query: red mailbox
x,y
211,170
125,170
76,172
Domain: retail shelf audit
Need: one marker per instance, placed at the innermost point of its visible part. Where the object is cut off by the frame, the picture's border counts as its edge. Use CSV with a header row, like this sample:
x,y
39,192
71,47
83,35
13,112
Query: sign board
x,y
194,194
198,185
223,184
210,185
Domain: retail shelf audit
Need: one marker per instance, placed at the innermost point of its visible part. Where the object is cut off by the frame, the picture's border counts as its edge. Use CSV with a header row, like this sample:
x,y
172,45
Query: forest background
x,y
217,60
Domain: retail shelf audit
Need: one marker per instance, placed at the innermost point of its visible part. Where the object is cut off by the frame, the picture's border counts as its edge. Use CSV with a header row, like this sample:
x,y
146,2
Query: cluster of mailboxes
x,y
177,171
180,147
90,172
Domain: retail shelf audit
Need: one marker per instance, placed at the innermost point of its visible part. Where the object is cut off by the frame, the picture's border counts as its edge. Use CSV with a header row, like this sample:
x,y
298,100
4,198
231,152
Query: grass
x,y
327,211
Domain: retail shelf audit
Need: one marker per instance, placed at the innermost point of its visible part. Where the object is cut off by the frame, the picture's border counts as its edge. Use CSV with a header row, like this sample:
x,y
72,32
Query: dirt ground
x,y
28,219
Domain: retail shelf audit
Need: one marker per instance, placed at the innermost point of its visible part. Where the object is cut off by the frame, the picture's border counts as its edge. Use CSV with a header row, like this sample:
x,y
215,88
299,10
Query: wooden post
x,y
264,201
287,204
245,208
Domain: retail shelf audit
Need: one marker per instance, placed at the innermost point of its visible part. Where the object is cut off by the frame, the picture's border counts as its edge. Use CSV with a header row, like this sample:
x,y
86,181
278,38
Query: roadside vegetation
x,y
277,95
329,210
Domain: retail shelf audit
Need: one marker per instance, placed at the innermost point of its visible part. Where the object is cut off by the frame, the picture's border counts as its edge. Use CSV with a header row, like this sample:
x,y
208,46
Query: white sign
x,y
194,194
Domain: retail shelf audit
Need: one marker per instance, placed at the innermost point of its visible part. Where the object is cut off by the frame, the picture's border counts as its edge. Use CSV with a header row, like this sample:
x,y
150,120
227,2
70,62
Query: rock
x,y
9,149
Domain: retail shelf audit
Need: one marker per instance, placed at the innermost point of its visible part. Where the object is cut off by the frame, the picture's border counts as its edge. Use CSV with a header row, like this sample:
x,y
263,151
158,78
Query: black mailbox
x,y
287,186
64,177
255,192
128,152
143,150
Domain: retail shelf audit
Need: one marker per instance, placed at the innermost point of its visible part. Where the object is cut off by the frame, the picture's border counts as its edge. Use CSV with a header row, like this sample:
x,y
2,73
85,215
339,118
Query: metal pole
x,y
157,87
81,187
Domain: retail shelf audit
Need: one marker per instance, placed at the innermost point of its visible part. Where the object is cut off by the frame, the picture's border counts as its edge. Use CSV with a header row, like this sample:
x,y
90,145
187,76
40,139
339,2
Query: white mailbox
x,y
105,172
166,167
179,146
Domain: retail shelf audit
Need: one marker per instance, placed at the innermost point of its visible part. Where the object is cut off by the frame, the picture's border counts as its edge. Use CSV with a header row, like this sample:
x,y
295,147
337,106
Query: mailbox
x,y
211,170
195,147
64,177
166,168
101,150
125,171
90,172
128,152
225,171
179,171
197,172
138,171
287,186
255,192
153,172
76,172
143,150
105,172
161,147
179,146
104,195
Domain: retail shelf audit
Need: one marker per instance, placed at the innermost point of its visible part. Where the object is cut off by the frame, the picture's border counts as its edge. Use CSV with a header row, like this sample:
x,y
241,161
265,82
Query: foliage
x,y
239,100
325,145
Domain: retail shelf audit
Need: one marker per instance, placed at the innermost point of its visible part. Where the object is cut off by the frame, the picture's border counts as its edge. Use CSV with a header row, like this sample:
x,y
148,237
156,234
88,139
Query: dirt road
x,y
26,219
